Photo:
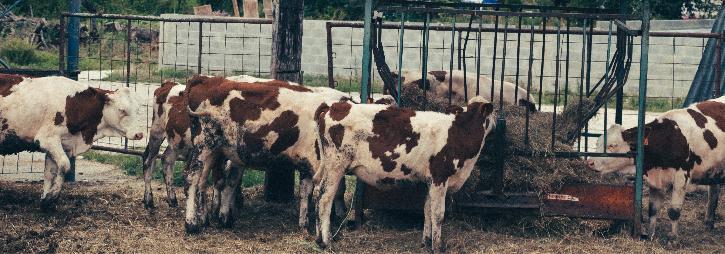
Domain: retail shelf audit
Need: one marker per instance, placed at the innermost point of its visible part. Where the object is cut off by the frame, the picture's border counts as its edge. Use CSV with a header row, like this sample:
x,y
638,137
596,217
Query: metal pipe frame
x,y
156,18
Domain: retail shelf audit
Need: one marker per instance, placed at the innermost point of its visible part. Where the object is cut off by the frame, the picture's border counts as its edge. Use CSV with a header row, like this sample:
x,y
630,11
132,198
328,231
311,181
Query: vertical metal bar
x,y
460,38
606,81
450,66
621,39
61,48
424,61
401,46
718,58
201,44
541,61
72,71
581,80
503,66
366,64
493,64
478,56
556,82
518,57
128,66
330,71
644,60
589,74
566,64
528,84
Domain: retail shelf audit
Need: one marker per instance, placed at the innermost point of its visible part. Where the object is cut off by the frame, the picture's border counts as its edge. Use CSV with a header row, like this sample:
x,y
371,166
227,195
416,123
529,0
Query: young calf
x,y
171,120
438,82
682,147
255,125
385,145
62,118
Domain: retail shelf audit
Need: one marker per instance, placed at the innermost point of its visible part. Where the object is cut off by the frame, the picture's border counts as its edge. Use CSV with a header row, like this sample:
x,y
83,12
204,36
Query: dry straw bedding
x,y
542,173
110,218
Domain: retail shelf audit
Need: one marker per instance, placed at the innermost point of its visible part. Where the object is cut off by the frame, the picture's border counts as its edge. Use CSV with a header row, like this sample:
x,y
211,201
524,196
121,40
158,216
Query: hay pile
x,y
522,173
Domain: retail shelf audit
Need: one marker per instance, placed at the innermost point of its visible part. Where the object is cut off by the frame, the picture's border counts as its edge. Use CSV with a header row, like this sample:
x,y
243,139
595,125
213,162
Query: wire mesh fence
x,y
141,52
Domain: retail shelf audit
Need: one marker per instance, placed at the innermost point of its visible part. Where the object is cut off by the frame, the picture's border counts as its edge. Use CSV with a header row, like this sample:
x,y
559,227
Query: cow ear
x,y
454,109
487,109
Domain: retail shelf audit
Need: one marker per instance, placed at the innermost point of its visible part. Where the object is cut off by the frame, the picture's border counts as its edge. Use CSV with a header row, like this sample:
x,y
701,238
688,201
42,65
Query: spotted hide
x,y
438,82
385,145
62,118
681,147
257,124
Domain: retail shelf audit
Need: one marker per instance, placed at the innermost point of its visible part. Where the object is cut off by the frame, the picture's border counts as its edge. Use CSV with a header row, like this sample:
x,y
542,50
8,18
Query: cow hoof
x,y
426,243
352,225
226,221
47,205
321,243
149,204
173,203
191,228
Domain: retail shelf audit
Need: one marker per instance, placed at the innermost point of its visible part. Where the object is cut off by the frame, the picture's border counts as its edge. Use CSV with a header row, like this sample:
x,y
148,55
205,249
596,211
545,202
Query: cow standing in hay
x,y
438,82
62,118
252,124
681,147
386,145
171,121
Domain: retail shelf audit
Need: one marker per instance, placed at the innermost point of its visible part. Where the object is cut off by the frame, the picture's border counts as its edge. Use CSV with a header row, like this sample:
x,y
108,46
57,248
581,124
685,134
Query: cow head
x,y
615,144
119,115
482,108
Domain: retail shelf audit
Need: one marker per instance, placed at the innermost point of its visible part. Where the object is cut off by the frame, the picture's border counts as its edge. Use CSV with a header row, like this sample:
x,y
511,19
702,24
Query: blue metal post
x,y
366,59
72,67
644,58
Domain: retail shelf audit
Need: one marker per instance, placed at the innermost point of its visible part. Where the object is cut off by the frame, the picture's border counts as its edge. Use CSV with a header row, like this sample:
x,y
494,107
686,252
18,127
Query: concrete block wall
x,y
246,48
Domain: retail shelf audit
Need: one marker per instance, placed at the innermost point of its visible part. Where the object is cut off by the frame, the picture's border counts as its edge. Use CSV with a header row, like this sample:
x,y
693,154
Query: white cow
x,y
62,118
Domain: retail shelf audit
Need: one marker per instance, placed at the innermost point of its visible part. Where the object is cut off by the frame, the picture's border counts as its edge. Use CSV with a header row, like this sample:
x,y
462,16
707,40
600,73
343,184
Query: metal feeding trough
x,y
591,201
526,26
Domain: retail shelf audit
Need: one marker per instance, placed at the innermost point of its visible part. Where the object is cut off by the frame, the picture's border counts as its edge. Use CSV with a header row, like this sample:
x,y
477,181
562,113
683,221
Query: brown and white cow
x,y
682,147
62,118
171,120
386,145
252,124
438,82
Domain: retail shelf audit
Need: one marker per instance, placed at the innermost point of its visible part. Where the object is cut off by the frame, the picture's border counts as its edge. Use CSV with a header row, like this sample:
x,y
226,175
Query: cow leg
x,y
51,171
656,199
305,191
196,195
678,197
149,161
168,160
325,192
426,241
437,195
228,208
339,203
713,195
55,152
218,175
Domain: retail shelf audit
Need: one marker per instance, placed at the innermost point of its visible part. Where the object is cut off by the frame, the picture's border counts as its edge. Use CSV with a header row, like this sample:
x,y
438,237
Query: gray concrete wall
x,y
246,48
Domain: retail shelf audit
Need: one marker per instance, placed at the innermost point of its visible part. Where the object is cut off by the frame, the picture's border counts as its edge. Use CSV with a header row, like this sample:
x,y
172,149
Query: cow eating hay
x,y
541,173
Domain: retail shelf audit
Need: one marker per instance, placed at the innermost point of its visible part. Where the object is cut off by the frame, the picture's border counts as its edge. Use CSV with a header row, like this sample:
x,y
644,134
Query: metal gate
x,y
550,51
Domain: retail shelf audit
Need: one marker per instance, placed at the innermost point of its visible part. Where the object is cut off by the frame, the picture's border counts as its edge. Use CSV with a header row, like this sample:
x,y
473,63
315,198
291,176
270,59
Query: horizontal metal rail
x,y
598,16
501,6
168,19
117,150
574,30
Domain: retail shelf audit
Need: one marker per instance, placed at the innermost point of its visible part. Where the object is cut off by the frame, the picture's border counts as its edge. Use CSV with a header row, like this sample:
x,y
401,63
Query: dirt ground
x,y
105,214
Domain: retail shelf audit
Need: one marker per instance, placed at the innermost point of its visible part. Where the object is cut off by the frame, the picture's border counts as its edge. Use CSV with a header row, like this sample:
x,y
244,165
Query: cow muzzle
x,y
137,136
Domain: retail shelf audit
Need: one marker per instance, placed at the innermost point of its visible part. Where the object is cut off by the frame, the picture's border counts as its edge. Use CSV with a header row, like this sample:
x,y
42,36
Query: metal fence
x,y
140,52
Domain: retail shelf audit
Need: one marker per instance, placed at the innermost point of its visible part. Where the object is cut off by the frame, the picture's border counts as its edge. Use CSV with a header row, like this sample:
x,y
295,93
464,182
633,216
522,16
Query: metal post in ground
x,y
644,59
72,67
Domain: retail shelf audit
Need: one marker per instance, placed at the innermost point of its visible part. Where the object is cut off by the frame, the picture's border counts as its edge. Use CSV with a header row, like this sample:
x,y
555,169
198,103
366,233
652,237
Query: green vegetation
x,y
155,76
131,165
344,84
